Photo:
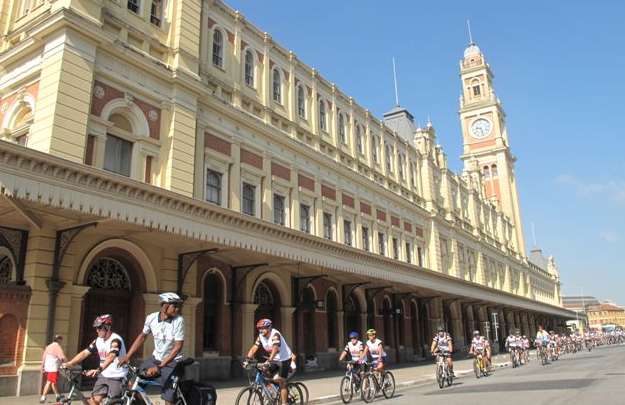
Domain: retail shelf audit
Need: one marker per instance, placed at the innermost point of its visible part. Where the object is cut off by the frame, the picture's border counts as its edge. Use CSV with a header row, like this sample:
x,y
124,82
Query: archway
x,y
307,321
211,315
331,307
352,316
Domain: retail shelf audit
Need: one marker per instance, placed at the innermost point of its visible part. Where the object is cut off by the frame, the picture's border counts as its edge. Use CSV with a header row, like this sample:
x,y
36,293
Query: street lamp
x,y
496,340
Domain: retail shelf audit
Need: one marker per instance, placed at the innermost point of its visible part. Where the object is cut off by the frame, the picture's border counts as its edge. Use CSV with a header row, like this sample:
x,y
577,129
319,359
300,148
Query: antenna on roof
x,y
470,36
533,234
395,77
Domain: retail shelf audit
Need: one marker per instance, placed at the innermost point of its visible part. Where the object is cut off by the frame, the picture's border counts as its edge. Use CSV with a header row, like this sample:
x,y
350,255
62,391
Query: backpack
x,y
199,393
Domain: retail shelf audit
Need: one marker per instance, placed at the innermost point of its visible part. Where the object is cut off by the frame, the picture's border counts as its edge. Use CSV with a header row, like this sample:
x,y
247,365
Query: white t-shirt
x,y
165,334
114,344
374,348
442,342
52,359
354,350
275,338
478,343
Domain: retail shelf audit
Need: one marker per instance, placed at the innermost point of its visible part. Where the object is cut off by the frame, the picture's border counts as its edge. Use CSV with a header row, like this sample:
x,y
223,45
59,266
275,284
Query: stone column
x,y
246,328
78,293
340,319
234,182
266,195
198,175
188,310
286,314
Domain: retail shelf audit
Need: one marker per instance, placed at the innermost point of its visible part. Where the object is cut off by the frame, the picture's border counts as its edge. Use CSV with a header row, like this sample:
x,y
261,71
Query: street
x,y
584,377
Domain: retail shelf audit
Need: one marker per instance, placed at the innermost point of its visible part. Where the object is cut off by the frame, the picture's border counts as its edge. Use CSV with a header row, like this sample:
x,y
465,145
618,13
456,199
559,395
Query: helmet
x,y
476,332
440,329
551,332
264,323
169,298
524,337
371,332
353,335
103,320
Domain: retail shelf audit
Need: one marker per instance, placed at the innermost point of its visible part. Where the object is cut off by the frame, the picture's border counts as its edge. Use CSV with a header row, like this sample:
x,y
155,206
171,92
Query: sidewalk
x,y
323,386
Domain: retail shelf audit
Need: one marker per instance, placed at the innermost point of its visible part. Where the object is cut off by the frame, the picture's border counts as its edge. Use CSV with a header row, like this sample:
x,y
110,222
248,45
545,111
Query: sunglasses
x,y
100,327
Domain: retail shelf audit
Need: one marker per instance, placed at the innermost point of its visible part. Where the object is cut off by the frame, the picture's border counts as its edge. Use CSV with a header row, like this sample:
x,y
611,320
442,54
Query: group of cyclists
x,y
168,330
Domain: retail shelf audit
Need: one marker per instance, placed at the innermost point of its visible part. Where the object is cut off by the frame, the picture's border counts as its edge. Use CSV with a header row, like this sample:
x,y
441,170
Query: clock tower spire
x,y
486,139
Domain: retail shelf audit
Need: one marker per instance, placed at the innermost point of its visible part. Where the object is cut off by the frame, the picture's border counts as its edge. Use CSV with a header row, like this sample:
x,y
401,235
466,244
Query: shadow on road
x,y
508,387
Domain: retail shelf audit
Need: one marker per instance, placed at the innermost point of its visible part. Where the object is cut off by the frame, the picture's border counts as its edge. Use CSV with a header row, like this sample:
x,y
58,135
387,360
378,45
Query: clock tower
x,y
486,139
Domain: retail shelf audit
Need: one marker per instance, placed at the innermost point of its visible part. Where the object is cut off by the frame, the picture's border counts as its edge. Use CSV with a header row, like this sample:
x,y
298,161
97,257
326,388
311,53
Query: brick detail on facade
x,y
6,103
394,221
280,171
407,227
328,192
348,201
111,93
418,231
381,215
365,208
251,159
217,144
305,182
13,314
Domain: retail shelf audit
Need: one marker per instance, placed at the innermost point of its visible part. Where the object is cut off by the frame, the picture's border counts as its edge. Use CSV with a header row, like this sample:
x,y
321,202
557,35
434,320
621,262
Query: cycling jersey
x,y
511,341
442,342
478,343
275,338
114,344
375,350
355,350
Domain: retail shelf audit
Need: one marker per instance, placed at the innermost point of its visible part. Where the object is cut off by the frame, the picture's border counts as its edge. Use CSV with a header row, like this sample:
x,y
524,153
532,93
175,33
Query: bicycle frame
x,y
130,395
74,393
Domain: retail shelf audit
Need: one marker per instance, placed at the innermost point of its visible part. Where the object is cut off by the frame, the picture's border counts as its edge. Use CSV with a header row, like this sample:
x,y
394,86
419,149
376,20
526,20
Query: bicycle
x,y
74,394
442,371
372,383
350,383
479,366
263,390
135,394
514,356
542,354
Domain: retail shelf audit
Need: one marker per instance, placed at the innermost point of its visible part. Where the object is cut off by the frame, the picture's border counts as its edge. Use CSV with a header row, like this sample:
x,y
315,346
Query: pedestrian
x,y
168,330
53,356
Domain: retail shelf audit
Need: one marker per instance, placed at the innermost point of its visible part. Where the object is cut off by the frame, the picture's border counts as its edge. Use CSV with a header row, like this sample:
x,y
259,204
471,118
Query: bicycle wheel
x,y
346,390
367,389
304,390
449,378
295,396
440,376
255,398
388,385
476,368
243,397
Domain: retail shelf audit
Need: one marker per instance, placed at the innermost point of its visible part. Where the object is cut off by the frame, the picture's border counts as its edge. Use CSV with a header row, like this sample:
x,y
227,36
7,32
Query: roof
x,y
605,307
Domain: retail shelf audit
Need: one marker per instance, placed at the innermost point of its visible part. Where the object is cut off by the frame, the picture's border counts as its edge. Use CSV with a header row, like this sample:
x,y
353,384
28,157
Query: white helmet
x,y
169,298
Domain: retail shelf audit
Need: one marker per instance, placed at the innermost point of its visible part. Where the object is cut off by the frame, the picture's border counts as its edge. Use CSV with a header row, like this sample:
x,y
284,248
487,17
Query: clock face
x,y
480,128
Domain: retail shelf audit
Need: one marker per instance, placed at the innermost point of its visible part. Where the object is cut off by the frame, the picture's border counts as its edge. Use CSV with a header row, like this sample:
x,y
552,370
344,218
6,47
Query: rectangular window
x,y
133,5
304,218
408,252
365,238
381,243
421,254
156,12
117,155
476,90
24,8
395,249
148,169
327,225
213,187
347,232
249,199
278,209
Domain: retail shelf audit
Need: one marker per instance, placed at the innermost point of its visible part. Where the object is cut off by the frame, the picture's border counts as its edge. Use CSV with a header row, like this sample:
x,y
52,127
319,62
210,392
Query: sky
x,y
559,70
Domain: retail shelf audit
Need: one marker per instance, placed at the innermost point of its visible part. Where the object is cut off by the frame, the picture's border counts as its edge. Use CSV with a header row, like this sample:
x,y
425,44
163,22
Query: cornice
x,y
51,181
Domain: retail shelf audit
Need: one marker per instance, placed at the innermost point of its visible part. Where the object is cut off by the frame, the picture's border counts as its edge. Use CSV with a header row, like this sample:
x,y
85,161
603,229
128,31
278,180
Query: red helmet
x,y
103,320
264,323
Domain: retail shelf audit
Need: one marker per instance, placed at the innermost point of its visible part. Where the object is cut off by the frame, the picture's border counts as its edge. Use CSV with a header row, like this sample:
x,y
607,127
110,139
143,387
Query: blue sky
x,y
558,69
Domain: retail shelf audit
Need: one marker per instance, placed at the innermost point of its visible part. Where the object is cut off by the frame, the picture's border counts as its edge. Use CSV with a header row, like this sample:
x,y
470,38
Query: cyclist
x,y
526,348
375,348
442,342
110,347
356,349
279,351
168,329
511,344
553,343
519,345
488,351
478,345
542,338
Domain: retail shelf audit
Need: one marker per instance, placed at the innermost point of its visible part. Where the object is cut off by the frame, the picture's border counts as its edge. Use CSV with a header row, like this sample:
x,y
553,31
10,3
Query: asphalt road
x,y
583,378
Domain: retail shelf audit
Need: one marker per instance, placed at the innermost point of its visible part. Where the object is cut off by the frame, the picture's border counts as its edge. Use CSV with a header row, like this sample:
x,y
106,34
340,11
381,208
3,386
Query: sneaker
x,y
59,398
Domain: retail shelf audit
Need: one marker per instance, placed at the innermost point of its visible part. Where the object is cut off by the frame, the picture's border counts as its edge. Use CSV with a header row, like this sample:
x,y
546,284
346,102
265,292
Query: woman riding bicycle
x,y
375,348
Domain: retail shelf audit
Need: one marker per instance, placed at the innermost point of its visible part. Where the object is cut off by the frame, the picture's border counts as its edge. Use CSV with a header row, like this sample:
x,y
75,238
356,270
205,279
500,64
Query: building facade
x,y
151,146
605,314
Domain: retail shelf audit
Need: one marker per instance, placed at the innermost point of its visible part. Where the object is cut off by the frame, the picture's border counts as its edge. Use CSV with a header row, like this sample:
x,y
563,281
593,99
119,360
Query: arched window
x,y
388,326
117,149
108,273
218,49
249,199
277,86
212,299
6,270
493,171
374,148
389,158
359,139
475,85
342,135
301,102
249,68
213,187
486,171
322,116
19,119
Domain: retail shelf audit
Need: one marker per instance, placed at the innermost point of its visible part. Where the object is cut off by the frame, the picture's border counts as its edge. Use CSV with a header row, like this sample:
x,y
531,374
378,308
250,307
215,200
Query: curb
x,y
401,386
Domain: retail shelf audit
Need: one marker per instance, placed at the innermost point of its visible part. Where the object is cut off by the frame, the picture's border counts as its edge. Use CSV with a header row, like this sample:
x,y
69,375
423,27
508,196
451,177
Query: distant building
x,y
577,303
605,314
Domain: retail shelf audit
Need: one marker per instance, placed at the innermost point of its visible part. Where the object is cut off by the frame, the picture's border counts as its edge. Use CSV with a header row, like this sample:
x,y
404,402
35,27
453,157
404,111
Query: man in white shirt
x,y
168,329
109,347
53,356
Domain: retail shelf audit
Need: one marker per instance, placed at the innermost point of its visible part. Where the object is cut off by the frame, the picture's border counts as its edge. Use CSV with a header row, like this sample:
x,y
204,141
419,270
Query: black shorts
x,y
281,367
